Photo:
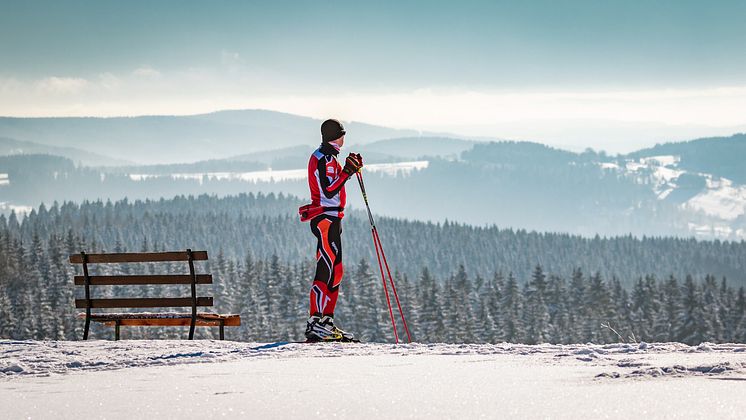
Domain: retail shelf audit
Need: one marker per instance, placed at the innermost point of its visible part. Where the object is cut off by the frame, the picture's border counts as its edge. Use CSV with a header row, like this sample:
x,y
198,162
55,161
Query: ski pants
x,y
325,288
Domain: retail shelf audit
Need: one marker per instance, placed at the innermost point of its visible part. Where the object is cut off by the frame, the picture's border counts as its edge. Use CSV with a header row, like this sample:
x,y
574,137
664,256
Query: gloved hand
x,y
353,163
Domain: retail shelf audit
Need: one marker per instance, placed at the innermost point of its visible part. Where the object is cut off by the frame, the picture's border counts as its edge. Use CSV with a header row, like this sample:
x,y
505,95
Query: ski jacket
x,y
327,181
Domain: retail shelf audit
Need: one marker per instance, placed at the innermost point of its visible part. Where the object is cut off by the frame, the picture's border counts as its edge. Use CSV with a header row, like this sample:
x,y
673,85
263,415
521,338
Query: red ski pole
x,y
377,244
383,283
393,287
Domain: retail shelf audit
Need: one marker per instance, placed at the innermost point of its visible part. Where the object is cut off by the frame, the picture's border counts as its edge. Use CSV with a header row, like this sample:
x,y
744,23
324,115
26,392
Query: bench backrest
x,y
191,279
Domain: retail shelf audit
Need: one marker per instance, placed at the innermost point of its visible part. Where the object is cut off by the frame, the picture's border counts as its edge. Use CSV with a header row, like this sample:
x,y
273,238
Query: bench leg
x,y
116,330
222,329
86,328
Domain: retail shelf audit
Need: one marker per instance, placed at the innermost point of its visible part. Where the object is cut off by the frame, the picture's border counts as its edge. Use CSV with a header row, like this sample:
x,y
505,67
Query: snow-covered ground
x,y
721,199
212,379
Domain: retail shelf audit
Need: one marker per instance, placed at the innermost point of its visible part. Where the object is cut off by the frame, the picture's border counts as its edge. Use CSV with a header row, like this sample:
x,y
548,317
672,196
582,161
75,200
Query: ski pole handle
x,y
365,198
362,186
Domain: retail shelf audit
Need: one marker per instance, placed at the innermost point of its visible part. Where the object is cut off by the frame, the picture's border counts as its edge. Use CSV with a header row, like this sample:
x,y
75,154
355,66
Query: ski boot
x,y
316,331
328,322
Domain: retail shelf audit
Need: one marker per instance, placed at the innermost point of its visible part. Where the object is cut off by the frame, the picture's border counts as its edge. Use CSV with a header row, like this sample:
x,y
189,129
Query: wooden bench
x,y
192,319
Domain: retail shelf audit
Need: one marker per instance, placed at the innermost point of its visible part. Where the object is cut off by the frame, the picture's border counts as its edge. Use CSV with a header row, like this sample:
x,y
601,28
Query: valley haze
x,y
691,188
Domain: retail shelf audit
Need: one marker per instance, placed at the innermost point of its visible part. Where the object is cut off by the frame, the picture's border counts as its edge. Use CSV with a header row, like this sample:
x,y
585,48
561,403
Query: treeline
x,y
457,283
36,302
267,225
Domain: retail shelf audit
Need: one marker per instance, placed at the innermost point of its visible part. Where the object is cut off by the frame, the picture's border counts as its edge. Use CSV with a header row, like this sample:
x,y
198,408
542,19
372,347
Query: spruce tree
x,y
557,307
462,310
600,310
430,317
536,317
577,309
667,317
512,324
693,329
711,309
372,312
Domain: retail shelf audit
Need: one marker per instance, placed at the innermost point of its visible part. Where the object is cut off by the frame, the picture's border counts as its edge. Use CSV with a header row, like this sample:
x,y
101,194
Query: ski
x,y
352,340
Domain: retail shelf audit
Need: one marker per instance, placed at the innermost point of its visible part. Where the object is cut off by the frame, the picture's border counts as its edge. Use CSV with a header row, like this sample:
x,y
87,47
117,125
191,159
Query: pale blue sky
x,y
109,58
399,44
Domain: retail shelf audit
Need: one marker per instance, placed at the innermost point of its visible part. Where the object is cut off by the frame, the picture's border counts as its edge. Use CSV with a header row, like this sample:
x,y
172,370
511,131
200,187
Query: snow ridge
x,y
44,358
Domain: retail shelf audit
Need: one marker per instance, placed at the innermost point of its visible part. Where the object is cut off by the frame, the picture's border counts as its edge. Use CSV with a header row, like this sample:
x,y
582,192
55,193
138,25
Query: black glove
x,y
353,163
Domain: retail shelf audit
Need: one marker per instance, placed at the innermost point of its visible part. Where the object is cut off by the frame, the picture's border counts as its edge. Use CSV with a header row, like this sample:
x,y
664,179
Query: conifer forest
x,y
457,283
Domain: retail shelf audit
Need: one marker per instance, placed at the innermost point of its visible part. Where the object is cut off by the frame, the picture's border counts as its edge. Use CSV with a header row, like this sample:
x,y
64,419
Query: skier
x,y
326,179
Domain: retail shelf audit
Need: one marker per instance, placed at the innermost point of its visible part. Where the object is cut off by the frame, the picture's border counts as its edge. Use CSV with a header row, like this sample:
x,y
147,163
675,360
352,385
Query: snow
x,y
210,379
392,169
665,175
662,160
635,166
663,194
662,171
721,199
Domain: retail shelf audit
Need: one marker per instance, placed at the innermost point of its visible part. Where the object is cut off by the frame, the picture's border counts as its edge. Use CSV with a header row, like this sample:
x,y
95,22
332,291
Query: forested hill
x,y
267,225
720,156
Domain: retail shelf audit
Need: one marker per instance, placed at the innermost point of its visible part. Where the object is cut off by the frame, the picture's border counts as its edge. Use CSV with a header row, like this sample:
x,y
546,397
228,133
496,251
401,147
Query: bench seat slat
x,y
143,302
165,319
134,257
151,279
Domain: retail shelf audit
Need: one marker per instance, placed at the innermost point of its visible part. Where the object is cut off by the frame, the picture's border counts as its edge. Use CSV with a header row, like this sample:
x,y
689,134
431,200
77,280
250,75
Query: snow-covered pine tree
x,y
727,311
409,302
621,322
254,317
462,310
271,297
430,317
372,311
711,309
666,321
693,328
557,306
577,312
598,302
740,314
512,323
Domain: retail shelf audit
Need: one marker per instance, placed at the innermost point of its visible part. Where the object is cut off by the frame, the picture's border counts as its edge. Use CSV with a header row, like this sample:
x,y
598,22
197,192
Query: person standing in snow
x,y
326,179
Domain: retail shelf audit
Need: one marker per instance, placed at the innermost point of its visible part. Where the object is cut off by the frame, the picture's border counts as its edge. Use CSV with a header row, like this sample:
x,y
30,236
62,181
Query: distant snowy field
x,y
214,379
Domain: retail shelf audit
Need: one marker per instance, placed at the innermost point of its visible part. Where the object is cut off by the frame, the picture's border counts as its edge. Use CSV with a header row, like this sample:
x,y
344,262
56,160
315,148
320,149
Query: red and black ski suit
x,y
326,181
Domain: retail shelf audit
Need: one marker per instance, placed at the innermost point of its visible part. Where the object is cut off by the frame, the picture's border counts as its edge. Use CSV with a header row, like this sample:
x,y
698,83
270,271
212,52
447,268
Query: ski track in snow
x,y
44,358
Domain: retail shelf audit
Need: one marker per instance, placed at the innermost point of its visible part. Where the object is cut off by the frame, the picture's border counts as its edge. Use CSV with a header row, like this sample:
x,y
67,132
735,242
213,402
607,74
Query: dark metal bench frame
x,y
191,279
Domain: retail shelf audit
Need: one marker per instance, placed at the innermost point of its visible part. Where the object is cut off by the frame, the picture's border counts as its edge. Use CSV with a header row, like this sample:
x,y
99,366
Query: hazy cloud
x,y
147,72
577,117
61,85
109,81
8,84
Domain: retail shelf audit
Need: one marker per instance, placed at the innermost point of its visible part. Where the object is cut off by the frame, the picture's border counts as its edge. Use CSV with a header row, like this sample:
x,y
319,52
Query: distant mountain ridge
x,y
182,139
16,147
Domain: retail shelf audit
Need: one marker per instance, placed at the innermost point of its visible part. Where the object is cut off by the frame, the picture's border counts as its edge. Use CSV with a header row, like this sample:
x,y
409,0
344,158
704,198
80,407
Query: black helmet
x,y
331,130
